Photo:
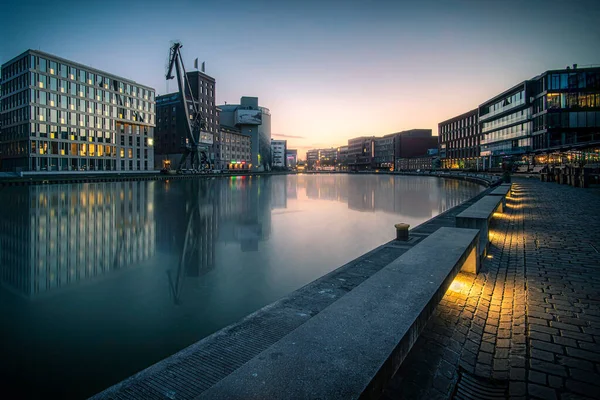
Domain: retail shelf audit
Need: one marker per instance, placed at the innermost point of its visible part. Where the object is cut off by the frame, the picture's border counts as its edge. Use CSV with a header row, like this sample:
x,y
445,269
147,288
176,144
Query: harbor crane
x,y
196,144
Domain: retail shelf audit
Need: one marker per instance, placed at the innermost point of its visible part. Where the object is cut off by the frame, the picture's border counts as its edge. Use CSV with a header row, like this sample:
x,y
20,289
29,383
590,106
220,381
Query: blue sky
x,y
328,70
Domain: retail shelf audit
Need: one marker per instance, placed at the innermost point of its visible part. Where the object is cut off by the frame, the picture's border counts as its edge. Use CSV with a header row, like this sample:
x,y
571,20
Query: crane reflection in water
x,y
237,213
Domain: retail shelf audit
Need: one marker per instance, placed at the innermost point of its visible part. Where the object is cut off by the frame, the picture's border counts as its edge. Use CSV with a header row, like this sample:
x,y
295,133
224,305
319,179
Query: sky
x,y
327,70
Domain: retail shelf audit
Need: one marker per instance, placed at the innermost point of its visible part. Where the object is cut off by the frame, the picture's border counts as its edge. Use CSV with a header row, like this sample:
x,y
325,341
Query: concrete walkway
x,y
530,321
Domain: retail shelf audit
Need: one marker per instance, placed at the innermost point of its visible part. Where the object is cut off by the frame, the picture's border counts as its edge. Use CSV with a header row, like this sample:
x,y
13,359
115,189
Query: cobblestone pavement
x,y
531,317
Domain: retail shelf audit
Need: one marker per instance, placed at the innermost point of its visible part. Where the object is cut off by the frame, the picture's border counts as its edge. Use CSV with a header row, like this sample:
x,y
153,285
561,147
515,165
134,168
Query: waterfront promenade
x,y
529,322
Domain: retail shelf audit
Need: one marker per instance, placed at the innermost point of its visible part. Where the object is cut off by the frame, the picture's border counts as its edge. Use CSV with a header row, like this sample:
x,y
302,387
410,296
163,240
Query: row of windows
x,y
569,100
233,148
573,80
15,68
506,120
582,119
43,147
463,143
462,123
62,117
232,138
18,83
459,134
505,104
18,99
85,135
507,133
14,117
512,146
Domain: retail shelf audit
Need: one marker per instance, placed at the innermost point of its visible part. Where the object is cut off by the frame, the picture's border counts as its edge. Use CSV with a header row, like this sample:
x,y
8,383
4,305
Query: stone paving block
x,y
542,355
575,363
586,355
517,389
563,341
542,392
579,336
582,388
546,346
547,367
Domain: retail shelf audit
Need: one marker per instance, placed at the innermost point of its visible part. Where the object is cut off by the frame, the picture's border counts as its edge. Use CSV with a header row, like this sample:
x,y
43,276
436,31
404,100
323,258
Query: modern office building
x,y
328,157
459,141
171,129
278,153
323,159
233,150
291,156
58,115
566,115
505,124
384,152
361,151
254,121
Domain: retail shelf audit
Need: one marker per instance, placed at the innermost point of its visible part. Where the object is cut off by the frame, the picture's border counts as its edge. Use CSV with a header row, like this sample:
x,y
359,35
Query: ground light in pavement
x,y
462,283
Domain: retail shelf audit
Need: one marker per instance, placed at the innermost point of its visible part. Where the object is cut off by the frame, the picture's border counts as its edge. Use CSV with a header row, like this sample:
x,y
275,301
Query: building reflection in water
x,y
246,211
55,236
419,197
204,212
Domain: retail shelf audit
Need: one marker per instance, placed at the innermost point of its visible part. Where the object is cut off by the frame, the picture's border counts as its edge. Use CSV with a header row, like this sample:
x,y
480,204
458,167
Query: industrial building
x,y
233,149
254,121
171,129
59,115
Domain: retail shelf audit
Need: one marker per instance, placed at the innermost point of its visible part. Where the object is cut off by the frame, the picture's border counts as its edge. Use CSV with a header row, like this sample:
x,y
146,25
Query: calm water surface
x,y
99,281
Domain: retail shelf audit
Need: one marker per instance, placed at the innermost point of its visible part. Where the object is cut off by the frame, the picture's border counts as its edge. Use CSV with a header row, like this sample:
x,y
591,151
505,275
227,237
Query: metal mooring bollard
x,y
402,231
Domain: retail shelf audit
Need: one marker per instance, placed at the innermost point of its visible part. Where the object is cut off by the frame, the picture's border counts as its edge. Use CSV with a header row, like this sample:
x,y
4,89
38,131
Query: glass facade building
x,y
58,115
566,110
505,124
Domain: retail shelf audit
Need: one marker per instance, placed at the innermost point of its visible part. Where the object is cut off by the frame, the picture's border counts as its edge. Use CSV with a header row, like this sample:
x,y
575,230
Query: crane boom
x,y
195,122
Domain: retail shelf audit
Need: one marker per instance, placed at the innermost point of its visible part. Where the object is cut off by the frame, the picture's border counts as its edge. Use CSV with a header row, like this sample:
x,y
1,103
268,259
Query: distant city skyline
x,y
327,70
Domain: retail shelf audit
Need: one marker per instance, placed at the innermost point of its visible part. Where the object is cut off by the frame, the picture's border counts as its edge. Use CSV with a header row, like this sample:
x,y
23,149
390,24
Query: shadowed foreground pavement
x,y
530,320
